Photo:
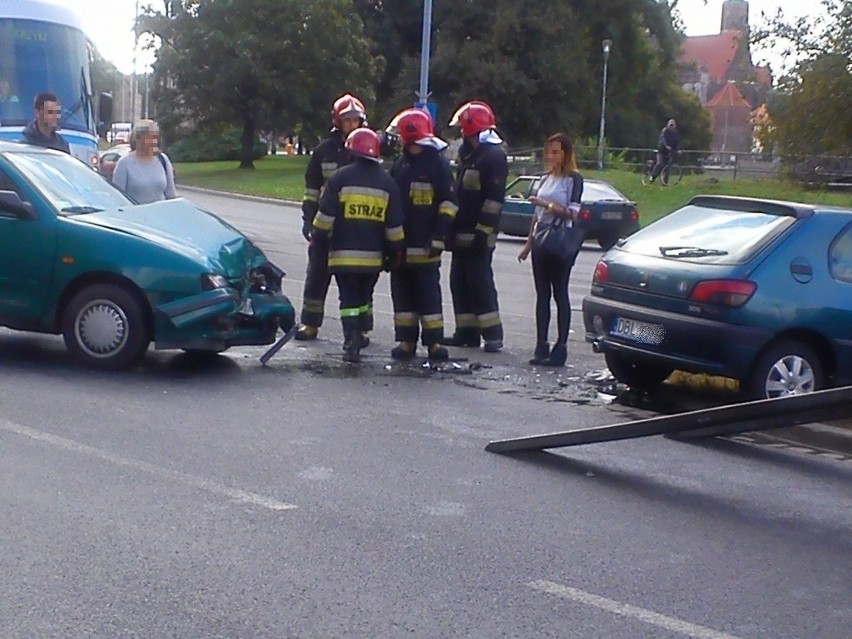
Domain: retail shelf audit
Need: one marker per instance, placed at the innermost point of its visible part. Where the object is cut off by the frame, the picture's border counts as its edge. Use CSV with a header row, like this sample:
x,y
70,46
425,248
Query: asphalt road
x,y
222,499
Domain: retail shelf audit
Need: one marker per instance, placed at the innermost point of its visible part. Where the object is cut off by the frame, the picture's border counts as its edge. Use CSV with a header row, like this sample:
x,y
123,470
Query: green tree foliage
x,y
540,65
809,111
259,64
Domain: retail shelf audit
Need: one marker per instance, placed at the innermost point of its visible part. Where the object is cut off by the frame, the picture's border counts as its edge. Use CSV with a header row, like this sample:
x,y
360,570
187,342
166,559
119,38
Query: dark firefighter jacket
x,y
481,191
329,156
360,217
427,188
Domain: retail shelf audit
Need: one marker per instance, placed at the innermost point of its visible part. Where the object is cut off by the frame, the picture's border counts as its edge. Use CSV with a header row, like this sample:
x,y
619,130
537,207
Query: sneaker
x,y
493,345
438,353
306,333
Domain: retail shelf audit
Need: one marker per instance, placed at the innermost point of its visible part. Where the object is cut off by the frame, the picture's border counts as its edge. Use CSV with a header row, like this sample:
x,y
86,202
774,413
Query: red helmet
x,y
412,125
364,143
474,117
347,106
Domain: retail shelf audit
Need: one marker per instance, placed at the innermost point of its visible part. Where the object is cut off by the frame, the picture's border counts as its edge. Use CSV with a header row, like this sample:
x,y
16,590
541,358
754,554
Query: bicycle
x,y
670,175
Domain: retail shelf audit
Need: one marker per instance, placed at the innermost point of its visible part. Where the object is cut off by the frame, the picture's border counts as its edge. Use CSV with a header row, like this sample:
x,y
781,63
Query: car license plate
x,y
636,331
611,215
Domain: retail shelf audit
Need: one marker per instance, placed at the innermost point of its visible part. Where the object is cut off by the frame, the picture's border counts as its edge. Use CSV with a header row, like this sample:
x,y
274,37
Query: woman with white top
x,y
558,198
145,174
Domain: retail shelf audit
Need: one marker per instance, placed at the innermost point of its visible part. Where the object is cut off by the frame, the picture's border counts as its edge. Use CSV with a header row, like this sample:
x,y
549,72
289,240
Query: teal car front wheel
x,y
104,327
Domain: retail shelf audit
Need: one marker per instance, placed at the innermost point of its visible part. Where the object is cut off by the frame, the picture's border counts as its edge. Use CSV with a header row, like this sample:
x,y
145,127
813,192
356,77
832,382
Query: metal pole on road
x,y
607,45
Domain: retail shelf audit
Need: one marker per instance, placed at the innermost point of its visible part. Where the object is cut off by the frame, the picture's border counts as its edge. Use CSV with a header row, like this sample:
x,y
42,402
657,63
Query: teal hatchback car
x,y
754,290
78,257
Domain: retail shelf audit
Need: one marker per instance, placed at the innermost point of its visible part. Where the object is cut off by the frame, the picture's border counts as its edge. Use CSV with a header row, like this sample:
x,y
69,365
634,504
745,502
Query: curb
x,y
239,196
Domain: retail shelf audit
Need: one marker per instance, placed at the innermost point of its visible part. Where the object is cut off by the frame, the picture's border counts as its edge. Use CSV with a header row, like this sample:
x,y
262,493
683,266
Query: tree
x,y
538,64
809,110
258,63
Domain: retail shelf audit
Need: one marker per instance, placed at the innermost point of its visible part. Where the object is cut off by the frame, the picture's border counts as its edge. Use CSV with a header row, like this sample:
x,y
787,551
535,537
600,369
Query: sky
x,y
109,23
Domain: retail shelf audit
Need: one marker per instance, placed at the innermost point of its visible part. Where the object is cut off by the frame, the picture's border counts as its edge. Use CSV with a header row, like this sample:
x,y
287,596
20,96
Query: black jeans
x,y
551,279
664,158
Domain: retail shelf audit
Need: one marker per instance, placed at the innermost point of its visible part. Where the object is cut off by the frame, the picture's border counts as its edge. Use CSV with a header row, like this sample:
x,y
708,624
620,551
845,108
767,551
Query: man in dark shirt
x,y
667,146
42,130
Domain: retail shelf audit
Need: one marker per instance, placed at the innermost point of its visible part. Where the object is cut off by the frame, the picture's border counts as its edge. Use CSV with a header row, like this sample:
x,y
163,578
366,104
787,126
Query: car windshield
x,y
68,184
598,191
519,188
705,234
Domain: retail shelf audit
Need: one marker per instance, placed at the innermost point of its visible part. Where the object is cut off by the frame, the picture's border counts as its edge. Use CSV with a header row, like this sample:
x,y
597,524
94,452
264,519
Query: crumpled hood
x,y
181,226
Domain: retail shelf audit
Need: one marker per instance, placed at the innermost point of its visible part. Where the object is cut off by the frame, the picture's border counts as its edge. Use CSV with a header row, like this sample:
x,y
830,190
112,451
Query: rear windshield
x,y
597,191
708,235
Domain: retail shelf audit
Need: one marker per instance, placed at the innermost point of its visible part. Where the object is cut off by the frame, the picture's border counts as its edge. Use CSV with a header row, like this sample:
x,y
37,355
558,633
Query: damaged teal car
x,y
80,258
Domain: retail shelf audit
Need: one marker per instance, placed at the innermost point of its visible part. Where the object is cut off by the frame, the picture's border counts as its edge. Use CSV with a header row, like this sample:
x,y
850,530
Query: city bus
x,y
43,48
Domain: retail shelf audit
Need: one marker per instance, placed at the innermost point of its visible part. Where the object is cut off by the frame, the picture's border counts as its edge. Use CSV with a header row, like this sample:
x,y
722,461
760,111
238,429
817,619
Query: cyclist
x,y
667,146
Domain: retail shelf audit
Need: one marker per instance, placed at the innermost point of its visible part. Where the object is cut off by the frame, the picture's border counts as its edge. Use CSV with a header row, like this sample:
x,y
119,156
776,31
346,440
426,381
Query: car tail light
x,y
585,215
725,292
634,215
601,273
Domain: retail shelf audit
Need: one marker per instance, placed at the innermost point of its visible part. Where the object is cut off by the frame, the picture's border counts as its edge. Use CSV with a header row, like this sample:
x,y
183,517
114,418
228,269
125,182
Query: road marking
x,y
626,610
235,494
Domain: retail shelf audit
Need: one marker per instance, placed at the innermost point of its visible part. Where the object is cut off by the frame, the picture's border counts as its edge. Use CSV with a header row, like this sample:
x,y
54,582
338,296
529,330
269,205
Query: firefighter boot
x,y
352,347
306,333
438,353
403,351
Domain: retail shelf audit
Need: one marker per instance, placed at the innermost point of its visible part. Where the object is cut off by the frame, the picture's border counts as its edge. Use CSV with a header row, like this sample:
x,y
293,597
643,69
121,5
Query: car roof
x,y
118,148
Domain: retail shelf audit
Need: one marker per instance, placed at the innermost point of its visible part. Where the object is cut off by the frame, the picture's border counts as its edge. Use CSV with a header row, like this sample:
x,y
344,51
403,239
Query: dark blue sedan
x,y
605,216
759,291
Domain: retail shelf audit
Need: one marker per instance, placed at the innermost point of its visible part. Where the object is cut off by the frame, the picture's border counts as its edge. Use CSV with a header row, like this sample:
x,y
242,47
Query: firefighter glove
x,y
480,241
436,247
395,261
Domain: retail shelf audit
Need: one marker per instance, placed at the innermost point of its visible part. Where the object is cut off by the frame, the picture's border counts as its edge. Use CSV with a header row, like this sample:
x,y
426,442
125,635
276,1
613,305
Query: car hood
x,y
182,227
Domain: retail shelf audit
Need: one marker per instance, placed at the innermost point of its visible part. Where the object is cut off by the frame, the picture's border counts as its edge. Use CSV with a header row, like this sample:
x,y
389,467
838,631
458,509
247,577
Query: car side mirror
x,y
11,202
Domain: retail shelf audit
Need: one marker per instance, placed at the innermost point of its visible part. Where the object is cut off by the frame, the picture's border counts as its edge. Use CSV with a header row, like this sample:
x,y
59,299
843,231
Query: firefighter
x,y
428,198
359,224
347,114
481,186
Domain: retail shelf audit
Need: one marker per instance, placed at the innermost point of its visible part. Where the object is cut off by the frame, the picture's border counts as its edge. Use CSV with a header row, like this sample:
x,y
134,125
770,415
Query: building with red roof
x,y
718,69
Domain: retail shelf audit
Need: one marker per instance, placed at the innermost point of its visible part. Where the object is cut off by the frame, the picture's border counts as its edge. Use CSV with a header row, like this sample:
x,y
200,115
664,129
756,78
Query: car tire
x,y
104,327
607,241
639,375
786,368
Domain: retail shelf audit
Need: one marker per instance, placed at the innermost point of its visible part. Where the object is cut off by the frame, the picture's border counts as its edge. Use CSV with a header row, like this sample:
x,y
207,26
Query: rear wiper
x,y
689,251
73,210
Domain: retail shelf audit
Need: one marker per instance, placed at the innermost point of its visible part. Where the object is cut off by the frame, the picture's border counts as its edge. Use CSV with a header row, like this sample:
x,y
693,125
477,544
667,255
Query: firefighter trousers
x,y
475,302
317,280
356,293
416,294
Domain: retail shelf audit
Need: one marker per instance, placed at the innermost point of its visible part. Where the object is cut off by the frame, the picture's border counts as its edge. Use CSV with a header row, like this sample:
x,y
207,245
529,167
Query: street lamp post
x,y
607,45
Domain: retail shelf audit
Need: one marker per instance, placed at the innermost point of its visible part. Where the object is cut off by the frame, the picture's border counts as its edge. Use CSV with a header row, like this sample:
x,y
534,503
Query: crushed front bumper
x,y
220,318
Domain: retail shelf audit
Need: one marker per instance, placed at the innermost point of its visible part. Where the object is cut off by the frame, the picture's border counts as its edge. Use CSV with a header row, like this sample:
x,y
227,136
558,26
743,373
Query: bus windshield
x,y
40,56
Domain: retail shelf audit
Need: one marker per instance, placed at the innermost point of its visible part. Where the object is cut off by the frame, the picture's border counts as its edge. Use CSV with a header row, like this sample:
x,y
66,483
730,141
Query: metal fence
x,y
831,171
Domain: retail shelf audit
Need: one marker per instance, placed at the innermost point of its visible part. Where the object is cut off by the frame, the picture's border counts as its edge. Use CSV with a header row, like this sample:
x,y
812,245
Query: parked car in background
x,y
759,291
110,157
606,213
77,257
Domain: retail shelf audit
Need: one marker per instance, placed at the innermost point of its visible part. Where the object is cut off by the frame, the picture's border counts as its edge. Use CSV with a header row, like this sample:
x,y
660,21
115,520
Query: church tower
x,y
735,15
